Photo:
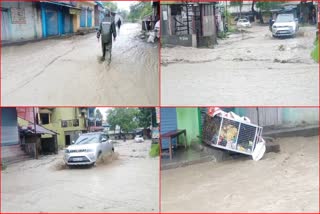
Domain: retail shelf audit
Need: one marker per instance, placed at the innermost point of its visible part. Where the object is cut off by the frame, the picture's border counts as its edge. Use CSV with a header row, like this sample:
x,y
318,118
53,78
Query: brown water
x,y
118,183
281,182
63,71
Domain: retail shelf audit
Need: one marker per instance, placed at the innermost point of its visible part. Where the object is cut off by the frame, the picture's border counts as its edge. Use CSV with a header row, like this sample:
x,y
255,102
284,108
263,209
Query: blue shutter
x,y
83,18
168,123
52,21
89,23
67,25
9,125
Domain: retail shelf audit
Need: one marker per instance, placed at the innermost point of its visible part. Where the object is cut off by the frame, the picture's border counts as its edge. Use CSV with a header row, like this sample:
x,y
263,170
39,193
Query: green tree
x,y
124,14
111,5
146,117
238,3
126,118
266,6
139,10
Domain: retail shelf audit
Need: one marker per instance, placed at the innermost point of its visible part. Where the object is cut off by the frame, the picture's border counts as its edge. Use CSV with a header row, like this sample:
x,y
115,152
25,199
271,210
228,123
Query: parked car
x,y
243,23
88,148
138,138
285,25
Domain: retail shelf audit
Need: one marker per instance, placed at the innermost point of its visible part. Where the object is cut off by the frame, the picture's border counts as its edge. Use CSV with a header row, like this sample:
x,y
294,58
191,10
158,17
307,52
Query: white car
x,y
285,25
87,149
243,23
138,139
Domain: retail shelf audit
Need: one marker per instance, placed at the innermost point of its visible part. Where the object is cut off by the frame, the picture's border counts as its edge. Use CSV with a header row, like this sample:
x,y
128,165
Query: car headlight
x,y
66,151
273,26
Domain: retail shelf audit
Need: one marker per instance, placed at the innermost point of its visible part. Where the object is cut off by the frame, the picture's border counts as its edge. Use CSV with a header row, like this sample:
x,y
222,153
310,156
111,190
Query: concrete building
x,y
67,122
188,24
20,21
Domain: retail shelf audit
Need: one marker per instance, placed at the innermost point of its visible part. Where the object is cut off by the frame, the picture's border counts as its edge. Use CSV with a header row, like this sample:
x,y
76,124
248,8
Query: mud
x,y
63,71
118,183
244,69
281,182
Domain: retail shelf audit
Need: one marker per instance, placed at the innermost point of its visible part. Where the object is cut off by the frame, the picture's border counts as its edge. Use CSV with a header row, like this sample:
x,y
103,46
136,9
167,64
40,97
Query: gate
x,y
5,32
52,22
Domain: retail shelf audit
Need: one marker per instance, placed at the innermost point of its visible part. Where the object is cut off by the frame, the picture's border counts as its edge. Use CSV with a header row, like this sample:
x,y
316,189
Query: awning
x,y
73,9
39,129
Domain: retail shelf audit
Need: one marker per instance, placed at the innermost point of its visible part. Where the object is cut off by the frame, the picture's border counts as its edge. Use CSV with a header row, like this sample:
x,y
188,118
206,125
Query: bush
x,y
315,52
155,150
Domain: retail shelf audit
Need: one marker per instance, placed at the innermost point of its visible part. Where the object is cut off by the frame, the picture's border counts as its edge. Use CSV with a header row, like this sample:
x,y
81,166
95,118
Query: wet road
x,y
69,72
281,182
127,183
253,69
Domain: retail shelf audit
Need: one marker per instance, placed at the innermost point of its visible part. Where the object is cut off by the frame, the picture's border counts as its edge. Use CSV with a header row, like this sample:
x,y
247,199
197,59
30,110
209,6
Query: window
x,y
44,118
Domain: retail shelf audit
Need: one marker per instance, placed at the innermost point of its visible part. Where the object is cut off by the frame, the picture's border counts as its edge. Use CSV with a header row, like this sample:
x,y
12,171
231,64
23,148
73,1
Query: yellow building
x,y
67,122
84,19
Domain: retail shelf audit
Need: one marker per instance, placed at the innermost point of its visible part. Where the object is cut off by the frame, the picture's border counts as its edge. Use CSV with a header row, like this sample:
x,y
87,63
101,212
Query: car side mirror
x,y
72,142
104,140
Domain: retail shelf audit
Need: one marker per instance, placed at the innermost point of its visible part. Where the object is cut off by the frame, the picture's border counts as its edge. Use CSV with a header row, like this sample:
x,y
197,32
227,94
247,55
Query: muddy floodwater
x,y
281,182
127,181
249,68
64,71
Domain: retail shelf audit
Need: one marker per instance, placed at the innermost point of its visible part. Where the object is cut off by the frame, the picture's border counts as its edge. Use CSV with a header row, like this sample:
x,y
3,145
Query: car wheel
x,y
92,165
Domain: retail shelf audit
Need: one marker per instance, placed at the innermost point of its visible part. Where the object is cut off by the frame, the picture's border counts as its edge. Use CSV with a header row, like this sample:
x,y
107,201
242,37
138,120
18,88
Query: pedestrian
x,y
119,24
106,30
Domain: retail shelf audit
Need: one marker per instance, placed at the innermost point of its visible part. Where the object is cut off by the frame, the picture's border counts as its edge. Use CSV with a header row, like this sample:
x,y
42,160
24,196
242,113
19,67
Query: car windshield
x,y
87,139
285,18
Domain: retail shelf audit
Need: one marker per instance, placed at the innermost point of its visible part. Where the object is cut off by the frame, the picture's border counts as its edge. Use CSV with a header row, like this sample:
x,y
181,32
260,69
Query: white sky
x,y
124,5
103,112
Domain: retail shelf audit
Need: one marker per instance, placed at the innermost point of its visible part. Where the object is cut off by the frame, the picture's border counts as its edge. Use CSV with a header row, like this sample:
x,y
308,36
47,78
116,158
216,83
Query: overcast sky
x,y
124,5
103,112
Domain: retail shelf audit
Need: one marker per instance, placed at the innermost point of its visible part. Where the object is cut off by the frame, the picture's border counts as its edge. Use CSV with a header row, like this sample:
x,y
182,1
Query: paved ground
x,y
64,71
281,182
249,69
126,182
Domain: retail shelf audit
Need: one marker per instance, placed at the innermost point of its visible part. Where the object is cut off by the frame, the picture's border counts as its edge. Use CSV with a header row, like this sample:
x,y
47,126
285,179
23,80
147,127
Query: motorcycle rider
x,y
106,30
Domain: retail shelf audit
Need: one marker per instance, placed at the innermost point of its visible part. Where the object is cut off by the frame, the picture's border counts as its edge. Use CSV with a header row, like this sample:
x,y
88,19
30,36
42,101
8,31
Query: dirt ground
x,y
281,182
63,71
245,69
126,182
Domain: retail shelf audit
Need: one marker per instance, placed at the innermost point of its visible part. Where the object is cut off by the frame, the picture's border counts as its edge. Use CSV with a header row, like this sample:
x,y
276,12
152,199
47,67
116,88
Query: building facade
x,y
189,24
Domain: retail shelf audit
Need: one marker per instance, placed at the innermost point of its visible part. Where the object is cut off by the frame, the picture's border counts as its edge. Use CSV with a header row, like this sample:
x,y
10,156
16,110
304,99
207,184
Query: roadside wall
x,y
188,118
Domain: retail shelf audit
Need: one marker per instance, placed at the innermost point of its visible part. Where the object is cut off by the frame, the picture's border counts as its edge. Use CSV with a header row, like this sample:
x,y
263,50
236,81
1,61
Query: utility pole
x,y
35,133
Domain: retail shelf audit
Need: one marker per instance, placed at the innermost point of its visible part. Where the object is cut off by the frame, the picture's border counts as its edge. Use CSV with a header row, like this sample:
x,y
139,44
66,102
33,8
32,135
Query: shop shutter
x,y
52,22
9,124
89,22
168,123
83,18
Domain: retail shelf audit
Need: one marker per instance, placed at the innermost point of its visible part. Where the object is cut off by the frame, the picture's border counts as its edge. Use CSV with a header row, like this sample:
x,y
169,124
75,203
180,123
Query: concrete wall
x,y
182,40
31,29
188,118
300,115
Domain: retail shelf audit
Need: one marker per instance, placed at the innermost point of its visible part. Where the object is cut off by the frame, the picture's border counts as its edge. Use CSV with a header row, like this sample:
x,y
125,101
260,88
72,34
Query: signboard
x,y
74,11
18,15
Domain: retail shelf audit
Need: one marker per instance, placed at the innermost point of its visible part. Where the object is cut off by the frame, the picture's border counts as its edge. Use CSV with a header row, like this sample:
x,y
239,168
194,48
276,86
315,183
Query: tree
x,y
124,14
238,3
98,114
126,118
145,117
111,5
266,6
139,10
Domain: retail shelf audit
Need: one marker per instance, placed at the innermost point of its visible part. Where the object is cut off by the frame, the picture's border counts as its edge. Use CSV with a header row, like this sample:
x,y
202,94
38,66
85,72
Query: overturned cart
x,y
234,133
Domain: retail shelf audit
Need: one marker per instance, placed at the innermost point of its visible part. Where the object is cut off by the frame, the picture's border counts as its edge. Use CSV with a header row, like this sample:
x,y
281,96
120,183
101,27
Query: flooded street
x,y
126,182
246,69
280,182
64,71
